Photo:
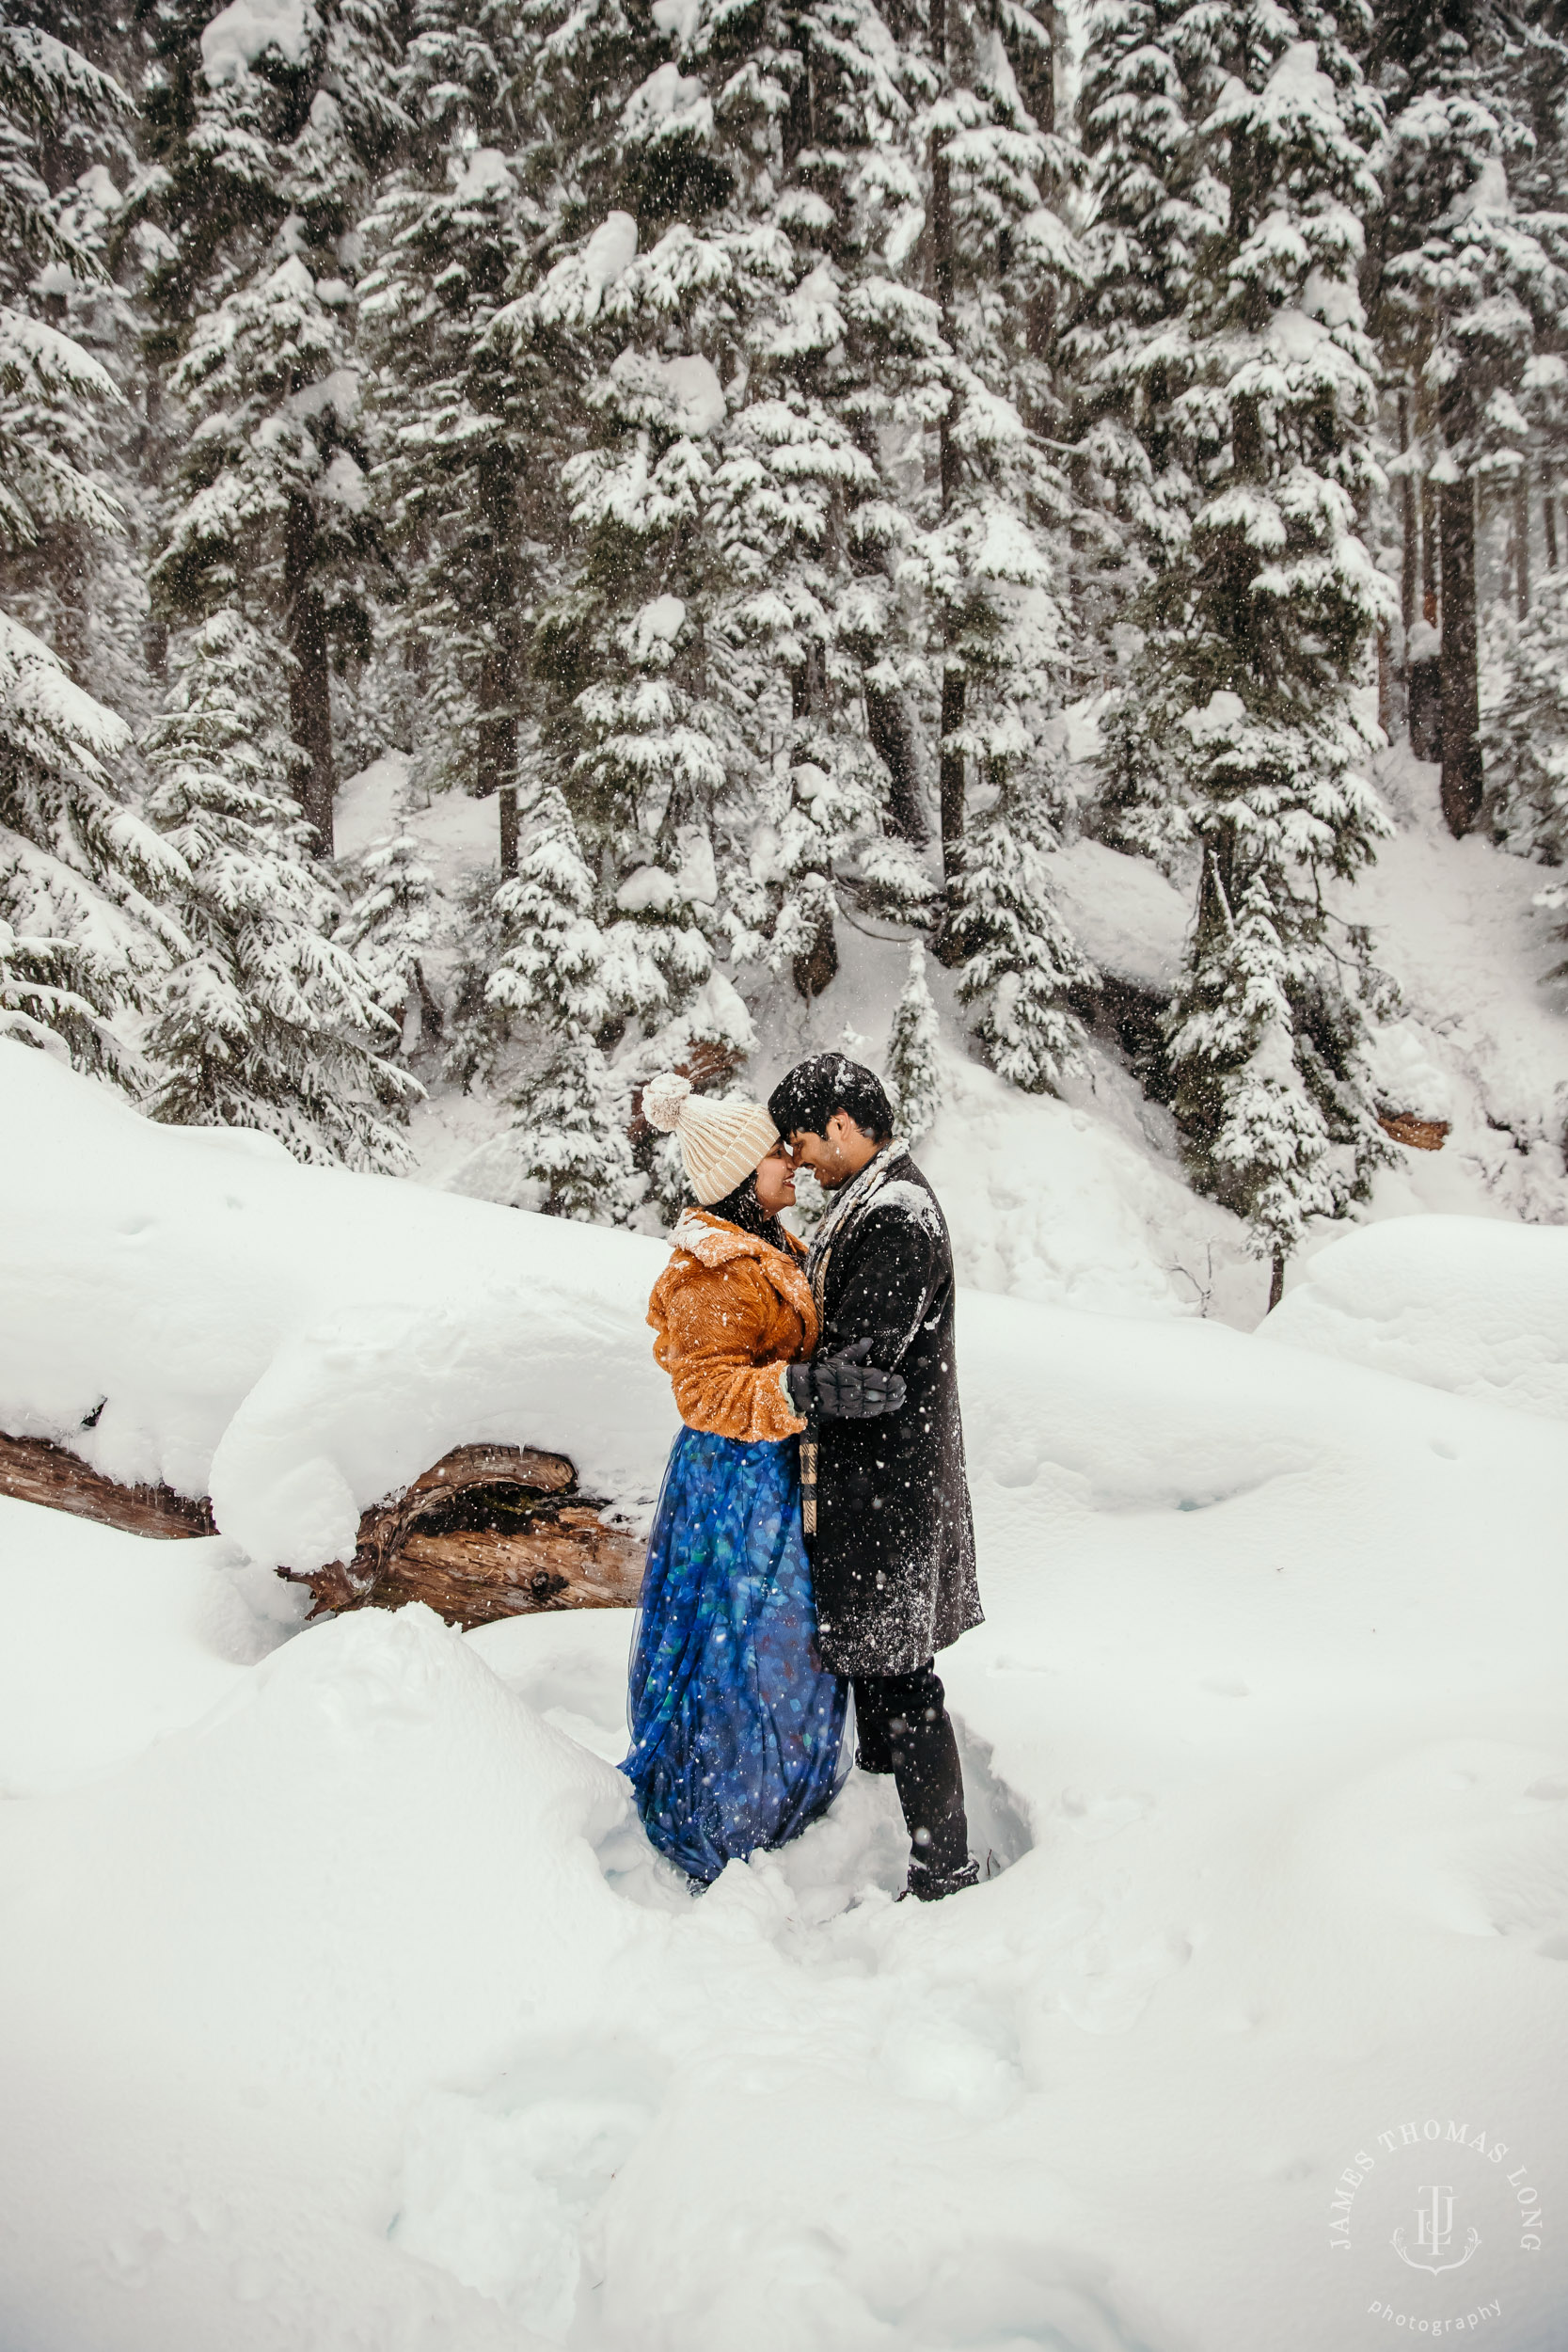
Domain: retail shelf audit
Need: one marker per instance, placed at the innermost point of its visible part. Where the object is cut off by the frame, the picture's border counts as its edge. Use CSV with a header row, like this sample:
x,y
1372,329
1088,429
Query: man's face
x,y
834,1156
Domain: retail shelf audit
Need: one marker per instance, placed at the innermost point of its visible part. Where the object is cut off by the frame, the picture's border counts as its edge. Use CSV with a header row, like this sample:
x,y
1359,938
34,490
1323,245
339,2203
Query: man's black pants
x,y
902,1727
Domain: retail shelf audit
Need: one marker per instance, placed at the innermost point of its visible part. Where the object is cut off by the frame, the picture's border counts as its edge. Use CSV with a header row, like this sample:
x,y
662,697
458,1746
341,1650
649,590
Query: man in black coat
x,y
885,1498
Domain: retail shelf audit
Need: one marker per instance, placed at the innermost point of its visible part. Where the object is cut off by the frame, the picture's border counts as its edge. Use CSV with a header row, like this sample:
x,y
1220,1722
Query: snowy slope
x,y
1083,1201
345,2006
1483,1041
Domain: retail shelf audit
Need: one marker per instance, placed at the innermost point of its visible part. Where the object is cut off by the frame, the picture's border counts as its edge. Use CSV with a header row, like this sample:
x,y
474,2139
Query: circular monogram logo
x,y
1431,2222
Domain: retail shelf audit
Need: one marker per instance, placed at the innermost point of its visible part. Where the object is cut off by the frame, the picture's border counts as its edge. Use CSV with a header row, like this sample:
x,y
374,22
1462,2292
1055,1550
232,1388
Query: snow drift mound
x,y
1463,1303
191,1306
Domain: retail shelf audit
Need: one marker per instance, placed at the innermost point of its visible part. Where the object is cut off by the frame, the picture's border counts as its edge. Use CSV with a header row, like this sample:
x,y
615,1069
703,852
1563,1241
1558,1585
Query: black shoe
x,y
929,1886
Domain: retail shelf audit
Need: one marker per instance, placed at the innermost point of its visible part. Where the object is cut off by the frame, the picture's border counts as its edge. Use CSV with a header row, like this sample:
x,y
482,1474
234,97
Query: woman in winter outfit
x,y
735,1723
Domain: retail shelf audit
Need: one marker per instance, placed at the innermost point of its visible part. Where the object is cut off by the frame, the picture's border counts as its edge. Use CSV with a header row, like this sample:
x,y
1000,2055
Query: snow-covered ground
x,y
1081,1202
344,2006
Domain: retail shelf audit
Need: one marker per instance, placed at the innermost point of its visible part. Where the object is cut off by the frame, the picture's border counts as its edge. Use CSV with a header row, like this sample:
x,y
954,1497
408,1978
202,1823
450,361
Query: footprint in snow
x,y
1094,1818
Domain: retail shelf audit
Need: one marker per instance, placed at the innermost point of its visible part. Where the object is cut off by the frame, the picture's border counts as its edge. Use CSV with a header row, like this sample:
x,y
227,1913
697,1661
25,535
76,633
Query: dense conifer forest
x,y
724,438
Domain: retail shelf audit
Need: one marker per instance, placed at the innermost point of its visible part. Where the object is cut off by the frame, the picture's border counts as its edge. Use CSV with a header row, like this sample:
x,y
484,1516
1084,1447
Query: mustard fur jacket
x,y
731,1313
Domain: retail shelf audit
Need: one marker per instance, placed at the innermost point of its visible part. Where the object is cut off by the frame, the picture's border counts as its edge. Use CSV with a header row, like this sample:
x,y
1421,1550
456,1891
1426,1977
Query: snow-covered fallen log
x,y
32,1470
192,1309
488,1532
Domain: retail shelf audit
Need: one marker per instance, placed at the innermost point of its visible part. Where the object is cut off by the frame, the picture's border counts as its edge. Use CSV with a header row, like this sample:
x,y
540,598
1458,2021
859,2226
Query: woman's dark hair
x,y
802,1104
741,1207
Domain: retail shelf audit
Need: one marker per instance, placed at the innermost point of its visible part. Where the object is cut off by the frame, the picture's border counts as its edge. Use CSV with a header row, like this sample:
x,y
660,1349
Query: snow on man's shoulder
x,y
908,1200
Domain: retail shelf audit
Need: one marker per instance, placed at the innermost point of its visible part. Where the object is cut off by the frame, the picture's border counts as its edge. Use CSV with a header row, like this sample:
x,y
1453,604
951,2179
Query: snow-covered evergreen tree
x,y
1255,624
388,931
1155,204
275,517
1023,961
1524,726
569,1131
1146,86
570,1136
989,562
264,129
265,1020
84,885
913,1073
78,931
464,434
1468,287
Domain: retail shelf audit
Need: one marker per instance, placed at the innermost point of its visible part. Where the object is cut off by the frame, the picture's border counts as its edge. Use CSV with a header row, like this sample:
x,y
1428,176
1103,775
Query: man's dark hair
x,y
803,1103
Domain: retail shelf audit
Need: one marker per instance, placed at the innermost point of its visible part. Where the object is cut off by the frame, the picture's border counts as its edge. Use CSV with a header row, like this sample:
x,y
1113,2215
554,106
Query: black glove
x,y
845,1387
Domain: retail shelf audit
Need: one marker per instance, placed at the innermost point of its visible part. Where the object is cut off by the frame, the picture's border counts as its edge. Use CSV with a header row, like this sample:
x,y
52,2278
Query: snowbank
x,y
1285,1847
346,2004
1477,1307
246,29
1480,1041
192,1306
98,1662
1129,920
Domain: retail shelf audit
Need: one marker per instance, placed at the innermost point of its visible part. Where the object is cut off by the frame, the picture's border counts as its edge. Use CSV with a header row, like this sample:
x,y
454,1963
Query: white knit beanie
x,y
721,1142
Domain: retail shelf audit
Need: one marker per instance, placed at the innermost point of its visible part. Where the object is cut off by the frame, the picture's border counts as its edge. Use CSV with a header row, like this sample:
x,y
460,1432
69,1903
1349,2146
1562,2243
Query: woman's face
x,y
775,1183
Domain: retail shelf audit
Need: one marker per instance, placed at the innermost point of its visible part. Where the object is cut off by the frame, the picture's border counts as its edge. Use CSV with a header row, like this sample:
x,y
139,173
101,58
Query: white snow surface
x,y
345,2005
1130,921
239,34
1480,1040
296,1341
1478,1308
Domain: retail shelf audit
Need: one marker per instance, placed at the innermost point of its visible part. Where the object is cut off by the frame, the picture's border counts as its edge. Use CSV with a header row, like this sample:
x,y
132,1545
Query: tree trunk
x,y
33,1470
1277,1280
816,966
155,631
951,947
500,667
1429,556
1521,540
1410,550
432,1018
497,765
891,735
489,1532
1463,779
951,773
310,678
1548,519
1247,451
1426,710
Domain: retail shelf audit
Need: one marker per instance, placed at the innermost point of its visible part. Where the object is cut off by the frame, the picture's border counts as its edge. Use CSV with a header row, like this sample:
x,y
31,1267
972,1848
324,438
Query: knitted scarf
x,y
846,1200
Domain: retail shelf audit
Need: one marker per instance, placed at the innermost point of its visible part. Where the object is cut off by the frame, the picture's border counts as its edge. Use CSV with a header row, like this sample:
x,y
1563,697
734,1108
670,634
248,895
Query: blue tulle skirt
x,y
735,1727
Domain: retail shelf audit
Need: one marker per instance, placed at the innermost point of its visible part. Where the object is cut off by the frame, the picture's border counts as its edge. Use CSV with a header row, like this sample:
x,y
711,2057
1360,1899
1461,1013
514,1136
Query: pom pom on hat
x,y
722,1143
663,1098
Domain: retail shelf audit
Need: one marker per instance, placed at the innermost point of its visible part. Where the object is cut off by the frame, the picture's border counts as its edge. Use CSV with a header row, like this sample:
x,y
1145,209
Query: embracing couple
x,y
813,1532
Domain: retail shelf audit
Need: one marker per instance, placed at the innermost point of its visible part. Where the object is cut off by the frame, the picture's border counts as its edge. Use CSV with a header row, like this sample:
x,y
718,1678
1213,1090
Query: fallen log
x,y
1421,1134
488,1532
34,1470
